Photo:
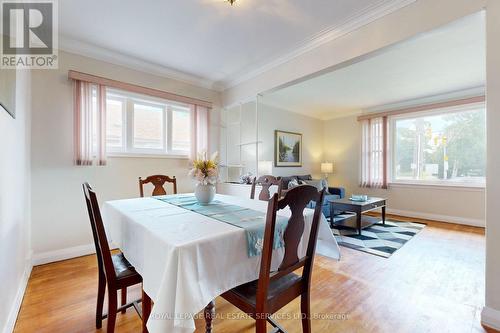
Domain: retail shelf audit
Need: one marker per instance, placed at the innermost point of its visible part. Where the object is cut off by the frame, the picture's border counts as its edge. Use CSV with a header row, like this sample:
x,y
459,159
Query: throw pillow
x,y
318,183
325,185
286,180
293,183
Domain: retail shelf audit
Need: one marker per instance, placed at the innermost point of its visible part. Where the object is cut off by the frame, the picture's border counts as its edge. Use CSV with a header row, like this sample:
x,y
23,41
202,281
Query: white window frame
x,y
124,128
131,102
392,151
128,149
172,108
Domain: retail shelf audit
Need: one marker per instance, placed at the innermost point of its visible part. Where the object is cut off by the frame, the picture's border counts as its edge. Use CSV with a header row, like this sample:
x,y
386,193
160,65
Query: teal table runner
x,y
252,221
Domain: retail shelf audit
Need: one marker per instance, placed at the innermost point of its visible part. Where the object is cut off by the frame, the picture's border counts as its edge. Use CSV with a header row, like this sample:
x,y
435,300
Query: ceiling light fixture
x,y
231,1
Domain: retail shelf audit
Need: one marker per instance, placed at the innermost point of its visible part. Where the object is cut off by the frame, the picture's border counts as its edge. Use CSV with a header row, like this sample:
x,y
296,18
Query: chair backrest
x,y
266,182
158,181
105,262
296,199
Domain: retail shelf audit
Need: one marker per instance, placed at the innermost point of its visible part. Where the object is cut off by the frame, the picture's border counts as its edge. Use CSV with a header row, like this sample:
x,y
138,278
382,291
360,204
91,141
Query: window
x,y
181,132
137,124
446,146
115,119
125,119
374,156
148,126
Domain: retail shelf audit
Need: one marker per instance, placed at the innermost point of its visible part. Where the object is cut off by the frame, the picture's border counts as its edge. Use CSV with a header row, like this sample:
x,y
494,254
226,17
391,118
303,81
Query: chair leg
x,y
261,325
209,314
146,310
124,298
101,289
112,306
305,308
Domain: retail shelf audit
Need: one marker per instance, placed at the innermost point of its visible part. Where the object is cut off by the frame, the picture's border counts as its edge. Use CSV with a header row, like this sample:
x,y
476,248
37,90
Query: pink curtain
x,y
90,123
374,153
199,130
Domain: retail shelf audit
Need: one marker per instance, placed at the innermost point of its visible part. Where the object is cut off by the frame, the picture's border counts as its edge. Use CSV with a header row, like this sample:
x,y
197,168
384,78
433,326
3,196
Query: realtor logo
x,y
29,34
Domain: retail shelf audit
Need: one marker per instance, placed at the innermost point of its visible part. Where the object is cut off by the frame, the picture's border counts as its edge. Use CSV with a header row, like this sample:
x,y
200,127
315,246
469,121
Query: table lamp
x,y
327,168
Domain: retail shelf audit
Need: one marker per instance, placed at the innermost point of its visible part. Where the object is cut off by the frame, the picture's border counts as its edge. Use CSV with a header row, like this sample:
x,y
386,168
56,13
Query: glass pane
x,y
148,127
181,130
114,123
449,147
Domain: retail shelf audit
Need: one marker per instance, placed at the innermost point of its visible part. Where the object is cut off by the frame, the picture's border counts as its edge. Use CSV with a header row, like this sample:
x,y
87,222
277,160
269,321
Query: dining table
x,y
187,258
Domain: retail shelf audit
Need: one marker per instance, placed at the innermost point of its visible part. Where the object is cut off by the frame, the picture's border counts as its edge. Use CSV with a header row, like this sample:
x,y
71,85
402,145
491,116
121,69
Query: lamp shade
x,y
327,167
265,168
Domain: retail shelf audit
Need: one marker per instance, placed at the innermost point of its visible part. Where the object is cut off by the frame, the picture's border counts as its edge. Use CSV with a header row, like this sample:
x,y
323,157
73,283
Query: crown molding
x,y
341,114
71,45
430,99
352,23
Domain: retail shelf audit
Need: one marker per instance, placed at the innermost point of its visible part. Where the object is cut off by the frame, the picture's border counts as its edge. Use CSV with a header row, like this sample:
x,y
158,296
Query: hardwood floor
x,y
434,283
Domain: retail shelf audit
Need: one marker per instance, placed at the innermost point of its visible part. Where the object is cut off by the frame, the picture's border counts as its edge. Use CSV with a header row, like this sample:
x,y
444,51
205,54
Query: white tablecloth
x,y
187,259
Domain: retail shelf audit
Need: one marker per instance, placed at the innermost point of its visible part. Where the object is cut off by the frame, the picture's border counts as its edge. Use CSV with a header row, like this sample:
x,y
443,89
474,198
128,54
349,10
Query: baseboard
x,y
490,318
438,217
62,254
67,253
16,306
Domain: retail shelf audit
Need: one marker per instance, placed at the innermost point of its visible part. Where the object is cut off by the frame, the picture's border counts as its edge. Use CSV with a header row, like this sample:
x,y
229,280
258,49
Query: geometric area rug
x,y
378,239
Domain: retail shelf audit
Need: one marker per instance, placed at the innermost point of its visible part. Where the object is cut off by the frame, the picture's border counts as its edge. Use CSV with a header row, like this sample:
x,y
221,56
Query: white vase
x,y
204,193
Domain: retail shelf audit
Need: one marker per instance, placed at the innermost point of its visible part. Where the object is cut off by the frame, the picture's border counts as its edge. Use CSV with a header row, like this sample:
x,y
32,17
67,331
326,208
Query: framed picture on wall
x,y
287,149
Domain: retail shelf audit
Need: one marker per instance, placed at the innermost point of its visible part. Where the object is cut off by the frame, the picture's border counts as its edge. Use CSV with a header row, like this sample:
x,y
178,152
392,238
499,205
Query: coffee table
x,y
358,207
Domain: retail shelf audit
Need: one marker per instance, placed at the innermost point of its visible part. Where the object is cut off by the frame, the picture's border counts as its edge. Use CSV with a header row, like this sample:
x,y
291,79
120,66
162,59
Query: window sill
x,y
460,186
134,155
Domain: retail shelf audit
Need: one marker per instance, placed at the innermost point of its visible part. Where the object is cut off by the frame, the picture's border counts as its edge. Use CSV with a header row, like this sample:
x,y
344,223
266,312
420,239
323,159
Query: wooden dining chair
x,y
115,271
266,182
273,290
158,182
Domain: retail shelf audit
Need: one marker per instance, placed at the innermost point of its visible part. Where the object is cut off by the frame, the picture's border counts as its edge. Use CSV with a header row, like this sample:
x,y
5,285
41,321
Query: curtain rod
x,y
79,76
425,107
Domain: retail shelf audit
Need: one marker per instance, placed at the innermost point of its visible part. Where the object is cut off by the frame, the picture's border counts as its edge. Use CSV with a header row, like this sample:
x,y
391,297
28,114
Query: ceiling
x,y
447,60
208,41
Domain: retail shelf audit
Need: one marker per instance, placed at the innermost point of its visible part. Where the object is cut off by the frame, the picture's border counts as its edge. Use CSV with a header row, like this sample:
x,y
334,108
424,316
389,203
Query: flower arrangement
x,y
204,170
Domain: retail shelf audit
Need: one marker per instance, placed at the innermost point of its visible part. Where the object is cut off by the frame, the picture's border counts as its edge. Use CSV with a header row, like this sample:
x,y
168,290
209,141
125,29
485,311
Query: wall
x,y
491,312
15,261
271,119
60,223
342,146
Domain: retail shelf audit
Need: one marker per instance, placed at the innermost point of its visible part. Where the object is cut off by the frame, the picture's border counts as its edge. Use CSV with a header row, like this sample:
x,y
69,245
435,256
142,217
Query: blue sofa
x,y
333,193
